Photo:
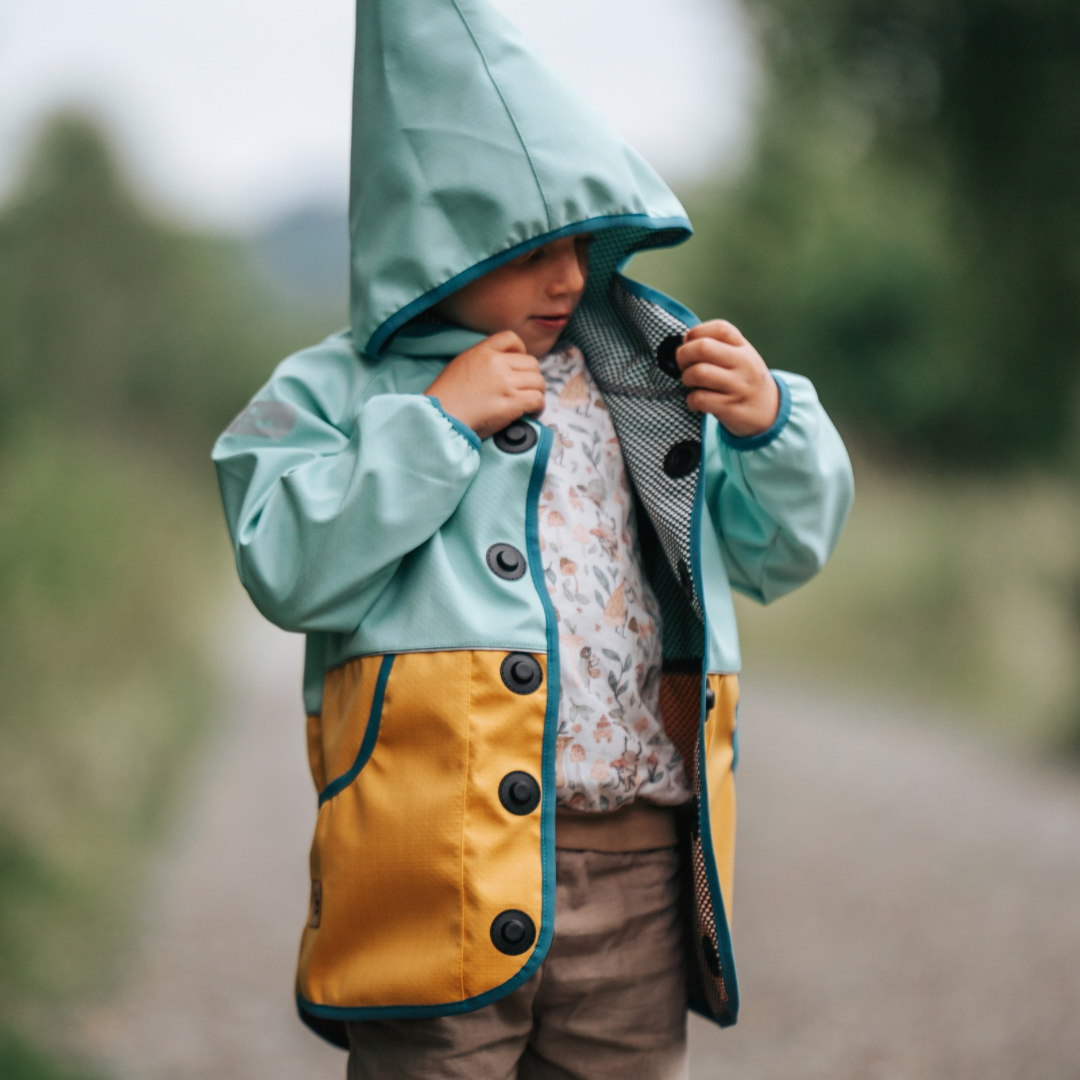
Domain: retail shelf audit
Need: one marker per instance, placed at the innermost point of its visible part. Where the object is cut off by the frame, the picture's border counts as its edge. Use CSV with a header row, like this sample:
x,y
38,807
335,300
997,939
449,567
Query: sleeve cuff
x,y
463,430
756,442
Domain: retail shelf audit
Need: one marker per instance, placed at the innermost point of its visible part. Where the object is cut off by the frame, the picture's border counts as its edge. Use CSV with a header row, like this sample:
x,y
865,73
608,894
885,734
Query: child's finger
x,y
707,350
522,362
710,377
507,341
532,403
718,330
532,381
706,401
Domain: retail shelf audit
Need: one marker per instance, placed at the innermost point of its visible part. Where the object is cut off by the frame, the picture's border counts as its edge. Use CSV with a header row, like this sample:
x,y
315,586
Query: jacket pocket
x,y
355,690
416,857
370,729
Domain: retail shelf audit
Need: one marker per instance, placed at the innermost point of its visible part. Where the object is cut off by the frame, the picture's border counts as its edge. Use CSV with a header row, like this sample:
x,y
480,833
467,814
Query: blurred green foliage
x,y
908,231
20,1059
116,322
126,344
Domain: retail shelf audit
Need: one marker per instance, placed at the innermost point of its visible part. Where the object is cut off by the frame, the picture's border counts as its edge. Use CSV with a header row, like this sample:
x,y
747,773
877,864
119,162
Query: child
x,y
507,509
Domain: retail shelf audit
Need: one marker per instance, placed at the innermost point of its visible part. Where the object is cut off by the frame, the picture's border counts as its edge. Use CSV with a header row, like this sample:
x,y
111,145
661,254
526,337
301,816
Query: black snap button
x,y
519,793
665,356
516,438
521,673
682,459
506,561
710,699
512,932
712,957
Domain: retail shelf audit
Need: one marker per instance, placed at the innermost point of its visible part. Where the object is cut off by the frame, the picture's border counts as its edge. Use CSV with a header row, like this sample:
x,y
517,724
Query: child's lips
x,y
552,322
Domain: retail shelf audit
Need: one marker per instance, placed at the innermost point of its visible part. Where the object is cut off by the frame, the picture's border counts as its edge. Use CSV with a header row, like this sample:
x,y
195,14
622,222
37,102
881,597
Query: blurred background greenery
x,y
127,345
905,232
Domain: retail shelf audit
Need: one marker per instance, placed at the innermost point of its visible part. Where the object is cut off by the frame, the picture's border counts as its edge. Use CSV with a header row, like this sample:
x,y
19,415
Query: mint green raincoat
x,y
362,515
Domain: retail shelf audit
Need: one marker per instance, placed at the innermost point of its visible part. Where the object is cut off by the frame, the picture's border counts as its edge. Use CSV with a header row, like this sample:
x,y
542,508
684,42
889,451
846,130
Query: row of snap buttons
x,y
512,931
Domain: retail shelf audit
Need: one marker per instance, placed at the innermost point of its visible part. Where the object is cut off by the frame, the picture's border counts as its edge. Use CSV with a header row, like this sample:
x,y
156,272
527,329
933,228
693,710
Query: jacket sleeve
x,y
780,499
326,489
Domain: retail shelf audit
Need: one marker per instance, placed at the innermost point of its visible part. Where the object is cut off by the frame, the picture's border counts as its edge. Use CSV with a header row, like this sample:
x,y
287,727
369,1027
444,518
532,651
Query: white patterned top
x,y
611,746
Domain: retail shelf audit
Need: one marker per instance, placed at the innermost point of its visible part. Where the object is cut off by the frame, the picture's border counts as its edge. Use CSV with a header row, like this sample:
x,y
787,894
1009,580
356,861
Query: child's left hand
x,y
728,378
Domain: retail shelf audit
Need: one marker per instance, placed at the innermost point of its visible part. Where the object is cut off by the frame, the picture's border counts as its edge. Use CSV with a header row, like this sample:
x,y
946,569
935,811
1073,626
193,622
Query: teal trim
x,y
723,933
756,442
655,296
547,810
735,742
463,430
554,690
371,734
391,325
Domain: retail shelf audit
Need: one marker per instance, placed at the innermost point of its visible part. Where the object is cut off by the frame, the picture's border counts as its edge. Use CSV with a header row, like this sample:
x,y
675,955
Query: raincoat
x,y
367,518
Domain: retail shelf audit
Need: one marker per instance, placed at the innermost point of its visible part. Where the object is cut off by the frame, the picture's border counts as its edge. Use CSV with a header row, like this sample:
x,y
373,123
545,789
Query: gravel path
x,y
908,903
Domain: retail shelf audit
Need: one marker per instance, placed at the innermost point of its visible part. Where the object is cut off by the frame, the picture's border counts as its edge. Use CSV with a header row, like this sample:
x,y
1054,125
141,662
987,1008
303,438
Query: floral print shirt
x,y
611,747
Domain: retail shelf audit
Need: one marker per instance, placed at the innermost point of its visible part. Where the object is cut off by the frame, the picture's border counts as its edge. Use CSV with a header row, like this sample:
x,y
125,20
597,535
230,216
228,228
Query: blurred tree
x,y
126,343
115,321
908,232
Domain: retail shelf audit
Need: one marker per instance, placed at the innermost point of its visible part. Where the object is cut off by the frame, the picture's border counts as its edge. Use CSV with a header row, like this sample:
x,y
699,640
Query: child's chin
x,y
542,344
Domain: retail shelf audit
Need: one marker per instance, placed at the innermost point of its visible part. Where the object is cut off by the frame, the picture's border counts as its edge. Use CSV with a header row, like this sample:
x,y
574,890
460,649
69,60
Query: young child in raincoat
x,y
508,507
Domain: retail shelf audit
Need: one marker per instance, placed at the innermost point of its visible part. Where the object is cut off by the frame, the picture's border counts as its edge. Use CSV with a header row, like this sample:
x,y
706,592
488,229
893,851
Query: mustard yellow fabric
x,y
720,780
416,857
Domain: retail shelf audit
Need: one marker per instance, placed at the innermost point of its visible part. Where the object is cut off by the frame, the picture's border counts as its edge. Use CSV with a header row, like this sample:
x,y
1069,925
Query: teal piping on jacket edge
x,y
371,734
723,933
735,741
463,430
547,809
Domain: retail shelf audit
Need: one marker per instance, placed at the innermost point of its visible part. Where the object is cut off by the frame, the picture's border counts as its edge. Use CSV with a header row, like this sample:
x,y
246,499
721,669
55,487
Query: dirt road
x,y
907,906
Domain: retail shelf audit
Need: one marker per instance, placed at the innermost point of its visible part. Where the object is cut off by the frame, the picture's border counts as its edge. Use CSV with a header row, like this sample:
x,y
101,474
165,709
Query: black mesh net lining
x,y
620,334
680,690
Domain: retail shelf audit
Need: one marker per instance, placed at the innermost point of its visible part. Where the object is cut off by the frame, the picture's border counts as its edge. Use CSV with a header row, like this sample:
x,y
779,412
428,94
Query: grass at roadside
x,y
105,562
23,1060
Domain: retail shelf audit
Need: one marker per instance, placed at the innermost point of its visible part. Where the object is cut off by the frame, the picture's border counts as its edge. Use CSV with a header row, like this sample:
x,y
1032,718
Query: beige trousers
x,y
609,1000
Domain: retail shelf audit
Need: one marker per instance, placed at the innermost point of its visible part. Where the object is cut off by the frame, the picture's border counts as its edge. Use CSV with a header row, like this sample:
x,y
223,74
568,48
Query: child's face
x,y
534,295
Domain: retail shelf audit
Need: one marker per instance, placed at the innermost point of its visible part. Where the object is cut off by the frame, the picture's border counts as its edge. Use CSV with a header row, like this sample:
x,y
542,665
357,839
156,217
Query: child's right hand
x,y
491,385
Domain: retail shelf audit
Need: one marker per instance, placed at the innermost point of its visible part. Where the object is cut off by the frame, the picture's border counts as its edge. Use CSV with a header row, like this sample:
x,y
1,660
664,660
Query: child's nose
x,y
571,277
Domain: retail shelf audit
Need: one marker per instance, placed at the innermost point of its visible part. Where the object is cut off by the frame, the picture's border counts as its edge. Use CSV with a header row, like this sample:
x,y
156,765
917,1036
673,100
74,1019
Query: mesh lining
x,y
620,334
680,707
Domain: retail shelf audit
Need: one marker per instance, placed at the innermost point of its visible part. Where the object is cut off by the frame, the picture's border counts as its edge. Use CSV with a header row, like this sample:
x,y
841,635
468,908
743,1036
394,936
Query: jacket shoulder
x,y
326,379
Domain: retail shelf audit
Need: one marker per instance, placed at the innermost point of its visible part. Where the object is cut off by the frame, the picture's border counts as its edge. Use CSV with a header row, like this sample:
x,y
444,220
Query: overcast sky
x,y
230,111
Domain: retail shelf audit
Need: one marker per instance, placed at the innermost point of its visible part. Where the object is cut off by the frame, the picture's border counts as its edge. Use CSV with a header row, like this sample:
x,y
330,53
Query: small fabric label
x,y
316,905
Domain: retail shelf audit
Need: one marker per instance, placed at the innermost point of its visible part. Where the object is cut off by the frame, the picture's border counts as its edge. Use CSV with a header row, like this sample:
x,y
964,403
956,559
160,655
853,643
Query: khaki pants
x,y
609,1000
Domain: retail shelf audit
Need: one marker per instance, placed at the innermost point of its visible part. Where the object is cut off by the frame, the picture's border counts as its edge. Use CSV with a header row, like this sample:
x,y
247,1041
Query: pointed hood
x,y
467,149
